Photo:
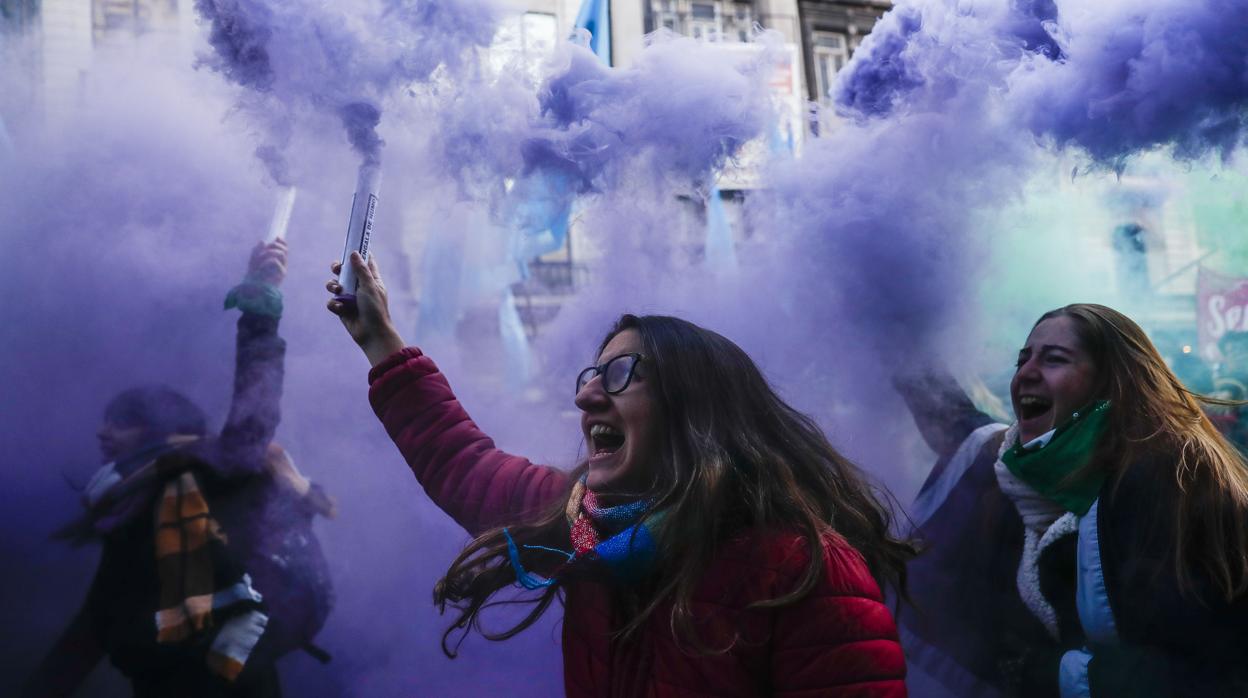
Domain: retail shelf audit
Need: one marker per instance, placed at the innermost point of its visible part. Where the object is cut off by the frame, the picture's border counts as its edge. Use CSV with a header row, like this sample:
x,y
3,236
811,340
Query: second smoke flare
x,y
360,229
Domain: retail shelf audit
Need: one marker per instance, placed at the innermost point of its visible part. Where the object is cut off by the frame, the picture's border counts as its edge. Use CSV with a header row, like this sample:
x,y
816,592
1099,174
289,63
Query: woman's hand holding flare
x,y
368,319
268,262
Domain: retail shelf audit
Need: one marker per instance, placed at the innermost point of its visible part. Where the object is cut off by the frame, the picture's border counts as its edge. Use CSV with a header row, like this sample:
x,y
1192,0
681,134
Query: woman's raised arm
x,y
470,479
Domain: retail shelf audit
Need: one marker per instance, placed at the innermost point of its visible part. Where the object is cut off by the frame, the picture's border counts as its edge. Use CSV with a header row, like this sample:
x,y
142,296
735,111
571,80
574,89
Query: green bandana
x,y
256,297
1070,449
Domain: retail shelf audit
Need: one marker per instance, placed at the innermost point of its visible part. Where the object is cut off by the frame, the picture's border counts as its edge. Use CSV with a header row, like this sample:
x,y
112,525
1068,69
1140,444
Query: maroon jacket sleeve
x,y
840,640
478,485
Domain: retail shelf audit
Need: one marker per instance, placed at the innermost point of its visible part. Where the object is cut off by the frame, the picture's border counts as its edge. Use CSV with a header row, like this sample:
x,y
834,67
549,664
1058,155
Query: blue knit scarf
x,y
619,539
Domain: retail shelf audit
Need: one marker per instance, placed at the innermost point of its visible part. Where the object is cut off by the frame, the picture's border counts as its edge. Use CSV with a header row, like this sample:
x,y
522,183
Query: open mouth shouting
x,y
1035,415
1033,407
604,441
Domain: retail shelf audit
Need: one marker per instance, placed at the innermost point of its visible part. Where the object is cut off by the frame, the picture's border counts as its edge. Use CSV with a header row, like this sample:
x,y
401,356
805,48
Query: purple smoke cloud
x,y
878,230
1171,73
141,255
1112,79
864,252
1029,23
970,100
346,58
240,35
360,119
137,244
593,116
602,129
883,73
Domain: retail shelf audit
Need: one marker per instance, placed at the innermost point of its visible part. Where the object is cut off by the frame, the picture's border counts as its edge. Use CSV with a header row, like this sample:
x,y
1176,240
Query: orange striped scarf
x,y
201,589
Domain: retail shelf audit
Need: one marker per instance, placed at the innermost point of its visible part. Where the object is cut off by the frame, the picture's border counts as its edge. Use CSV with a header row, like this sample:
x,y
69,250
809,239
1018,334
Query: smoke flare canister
x,y
281,213
363,206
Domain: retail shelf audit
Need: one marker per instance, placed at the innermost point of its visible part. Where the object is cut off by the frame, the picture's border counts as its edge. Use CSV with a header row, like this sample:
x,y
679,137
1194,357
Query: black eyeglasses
x,y
616,373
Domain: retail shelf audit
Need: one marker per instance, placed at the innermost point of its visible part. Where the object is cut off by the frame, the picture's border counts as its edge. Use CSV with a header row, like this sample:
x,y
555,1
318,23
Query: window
x,y
744,22
704,11
524,41
112,19
708,20
831,53
705,21
540,31
667,15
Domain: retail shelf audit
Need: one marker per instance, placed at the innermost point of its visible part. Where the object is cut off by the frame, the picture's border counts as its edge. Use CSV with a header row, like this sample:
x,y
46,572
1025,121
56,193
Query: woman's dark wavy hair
x,y
735,456
158,409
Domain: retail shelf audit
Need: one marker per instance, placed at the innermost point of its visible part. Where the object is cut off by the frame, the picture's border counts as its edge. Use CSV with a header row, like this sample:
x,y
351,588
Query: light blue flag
x,y
541,221
541,217
441,281
595,17
517,355
780,142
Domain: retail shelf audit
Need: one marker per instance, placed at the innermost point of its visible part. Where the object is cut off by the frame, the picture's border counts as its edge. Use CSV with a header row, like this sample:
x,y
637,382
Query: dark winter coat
x,y
838,641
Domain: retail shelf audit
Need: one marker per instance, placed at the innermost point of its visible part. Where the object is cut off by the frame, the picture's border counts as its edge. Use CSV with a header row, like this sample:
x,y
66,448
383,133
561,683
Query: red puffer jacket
x,y
840,640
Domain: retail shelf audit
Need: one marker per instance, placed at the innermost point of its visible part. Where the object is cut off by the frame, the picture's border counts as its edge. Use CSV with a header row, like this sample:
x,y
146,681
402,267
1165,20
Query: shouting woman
x,y
713,543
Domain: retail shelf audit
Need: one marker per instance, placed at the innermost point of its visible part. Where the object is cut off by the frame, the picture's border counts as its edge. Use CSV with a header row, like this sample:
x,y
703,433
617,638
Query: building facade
x,y
53,43
820,36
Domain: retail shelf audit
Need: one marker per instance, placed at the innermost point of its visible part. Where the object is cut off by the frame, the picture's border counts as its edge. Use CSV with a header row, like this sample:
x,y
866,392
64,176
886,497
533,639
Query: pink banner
x,y
1221,307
